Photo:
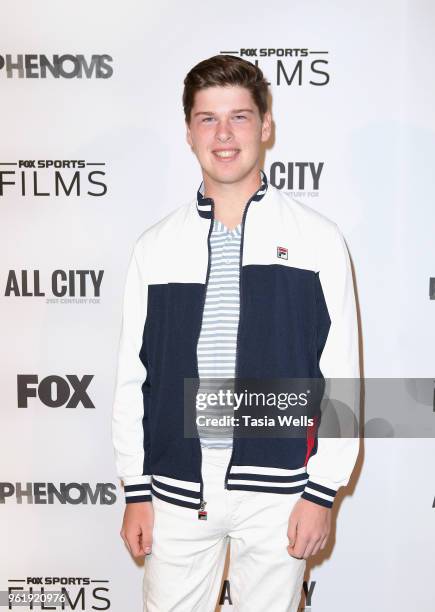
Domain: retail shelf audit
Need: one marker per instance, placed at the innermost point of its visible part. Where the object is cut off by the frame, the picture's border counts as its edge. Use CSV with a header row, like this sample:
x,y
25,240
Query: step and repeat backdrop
x,y
93,151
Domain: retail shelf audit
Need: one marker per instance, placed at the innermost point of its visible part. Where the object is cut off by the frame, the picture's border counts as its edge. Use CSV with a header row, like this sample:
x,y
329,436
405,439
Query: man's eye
x,y
240,116
206,119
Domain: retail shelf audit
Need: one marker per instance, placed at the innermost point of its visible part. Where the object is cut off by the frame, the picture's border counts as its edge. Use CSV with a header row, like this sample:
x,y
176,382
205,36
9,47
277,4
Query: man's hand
x,y
309,526
137,527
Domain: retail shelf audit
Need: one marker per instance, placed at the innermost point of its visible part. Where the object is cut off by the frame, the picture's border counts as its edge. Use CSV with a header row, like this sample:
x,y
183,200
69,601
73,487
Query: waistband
x,y
217,456
216,451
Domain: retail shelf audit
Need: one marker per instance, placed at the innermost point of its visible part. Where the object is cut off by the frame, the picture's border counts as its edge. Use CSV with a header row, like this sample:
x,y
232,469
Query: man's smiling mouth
x,y
226,154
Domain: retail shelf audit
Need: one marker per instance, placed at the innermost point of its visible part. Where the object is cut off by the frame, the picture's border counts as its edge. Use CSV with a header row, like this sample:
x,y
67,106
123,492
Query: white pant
x,y
184,571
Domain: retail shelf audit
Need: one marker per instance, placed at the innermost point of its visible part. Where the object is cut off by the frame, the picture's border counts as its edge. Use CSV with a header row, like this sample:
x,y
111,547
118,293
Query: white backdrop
x,y
362,111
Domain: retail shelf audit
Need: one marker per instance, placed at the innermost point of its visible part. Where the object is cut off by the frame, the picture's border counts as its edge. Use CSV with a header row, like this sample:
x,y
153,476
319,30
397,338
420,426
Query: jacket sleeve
x,y
332,465
129,419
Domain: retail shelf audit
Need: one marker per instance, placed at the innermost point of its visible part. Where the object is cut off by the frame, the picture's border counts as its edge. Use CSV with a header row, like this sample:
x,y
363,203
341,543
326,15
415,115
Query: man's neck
x,y
230,198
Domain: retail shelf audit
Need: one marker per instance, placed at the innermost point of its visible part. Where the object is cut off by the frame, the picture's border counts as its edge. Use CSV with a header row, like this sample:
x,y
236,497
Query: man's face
x,y
226,132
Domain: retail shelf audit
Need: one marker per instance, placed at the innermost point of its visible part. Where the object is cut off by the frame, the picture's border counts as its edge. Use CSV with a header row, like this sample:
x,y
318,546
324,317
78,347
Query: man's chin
x,y
227,175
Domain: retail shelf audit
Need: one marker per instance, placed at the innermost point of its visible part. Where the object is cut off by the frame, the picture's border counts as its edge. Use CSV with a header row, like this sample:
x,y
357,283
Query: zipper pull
x,y
202,514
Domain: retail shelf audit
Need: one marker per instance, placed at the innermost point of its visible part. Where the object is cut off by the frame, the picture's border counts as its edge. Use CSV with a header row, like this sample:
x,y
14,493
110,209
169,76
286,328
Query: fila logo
x,y
281,252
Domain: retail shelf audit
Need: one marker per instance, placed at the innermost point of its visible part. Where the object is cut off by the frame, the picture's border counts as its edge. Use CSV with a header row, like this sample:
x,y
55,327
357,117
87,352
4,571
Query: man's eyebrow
x,y
236,110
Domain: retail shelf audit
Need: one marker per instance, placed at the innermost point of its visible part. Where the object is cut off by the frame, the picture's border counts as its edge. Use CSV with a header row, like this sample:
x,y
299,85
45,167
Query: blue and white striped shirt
x,y
218,337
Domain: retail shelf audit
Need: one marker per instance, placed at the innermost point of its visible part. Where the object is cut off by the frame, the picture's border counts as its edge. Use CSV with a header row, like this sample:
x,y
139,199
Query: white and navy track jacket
x,y
297,319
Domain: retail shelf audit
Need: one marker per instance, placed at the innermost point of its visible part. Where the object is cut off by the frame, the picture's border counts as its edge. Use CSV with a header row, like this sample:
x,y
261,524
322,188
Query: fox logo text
x,y
55,391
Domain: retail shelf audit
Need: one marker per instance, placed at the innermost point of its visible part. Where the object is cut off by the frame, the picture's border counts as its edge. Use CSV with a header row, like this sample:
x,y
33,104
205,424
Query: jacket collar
x,y
204,205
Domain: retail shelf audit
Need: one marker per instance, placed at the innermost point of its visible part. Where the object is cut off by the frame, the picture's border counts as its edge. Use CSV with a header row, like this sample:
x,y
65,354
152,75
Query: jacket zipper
x,y
240,318
202,513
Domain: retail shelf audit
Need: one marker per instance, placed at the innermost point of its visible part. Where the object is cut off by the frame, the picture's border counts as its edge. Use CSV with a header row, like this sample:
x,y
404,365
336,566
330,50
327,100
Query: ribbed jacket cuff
x,y
319,494
137,488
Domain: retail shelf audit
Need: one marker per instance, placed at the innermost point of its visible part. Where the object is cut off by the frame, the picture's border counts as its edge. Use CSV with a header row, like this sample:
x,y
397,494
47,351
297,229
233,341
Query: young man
x,y
240,282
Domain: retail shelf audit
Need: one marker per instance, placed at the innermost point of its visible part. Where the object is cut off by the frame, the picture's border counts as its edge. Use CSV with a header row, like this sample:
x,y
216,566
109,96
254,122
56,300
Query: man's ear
x,y
188,135
266,127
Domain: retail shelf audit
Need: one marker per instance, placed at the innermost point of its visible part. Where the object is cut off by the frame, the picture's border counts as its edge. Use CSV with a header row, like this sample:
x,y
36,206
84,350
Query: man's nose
x,y
223,132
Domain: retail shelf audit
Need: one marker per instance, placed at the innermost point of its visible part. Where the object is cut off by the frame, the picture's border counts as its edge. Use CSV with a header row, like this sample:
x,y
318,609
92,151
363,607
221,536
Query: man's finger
x,y
133,541
316,548
291,531
309,549
299,546
146,542
125,541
